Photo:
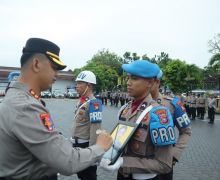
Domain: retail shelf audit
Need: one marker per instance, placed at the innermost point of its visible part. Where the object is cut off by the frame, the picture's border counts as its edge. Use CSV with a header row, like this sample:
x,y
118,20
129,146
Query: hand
x,y
104,140
174,161
105,164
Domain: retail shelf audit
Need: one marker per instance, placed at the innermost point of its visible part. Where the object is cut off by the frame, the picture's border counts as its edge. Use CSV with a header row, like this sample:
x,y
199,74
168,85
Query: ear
x,y
36,64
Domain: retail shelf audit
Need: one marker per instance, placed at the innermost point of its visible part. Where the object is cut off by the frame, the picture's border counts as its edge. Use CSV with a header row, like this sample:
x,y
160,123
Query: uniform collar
x,y
142,106
19,85
85,98
24,87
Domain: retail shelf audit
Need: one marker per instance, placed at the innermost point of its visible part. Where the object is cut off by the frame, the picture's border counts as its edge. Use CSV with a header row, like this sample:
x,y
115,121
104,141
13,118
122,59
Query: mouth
x,y
129,89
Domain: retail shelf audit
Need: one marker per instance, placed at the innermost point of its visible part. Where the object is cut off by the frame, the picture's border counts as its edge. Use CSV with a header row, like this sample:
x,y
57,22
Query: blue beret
x,y
143,68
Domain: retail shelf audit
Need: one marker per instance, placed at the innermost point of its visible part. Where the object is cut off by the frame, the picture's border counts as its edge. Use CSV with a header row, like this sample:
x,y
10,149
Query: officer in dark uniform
x,y
31,147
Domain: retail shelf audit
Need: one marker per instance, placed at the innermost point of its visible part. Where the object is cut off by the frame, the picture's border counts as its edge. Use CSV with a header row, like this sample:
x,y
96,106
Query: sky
x,y
81,28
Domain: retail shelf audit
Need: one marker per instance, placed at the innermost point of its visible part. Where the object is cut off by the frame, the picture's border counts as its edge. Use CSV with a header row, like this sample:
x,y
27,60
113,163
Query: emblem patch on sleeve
x,y
162,116
47,121
181,106
95,111
96,106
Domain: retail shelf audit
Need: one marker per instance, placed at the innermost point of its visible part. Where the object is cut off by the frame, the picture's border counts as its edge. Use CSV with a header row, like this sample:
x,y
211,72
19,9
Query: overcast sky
x,y
81,28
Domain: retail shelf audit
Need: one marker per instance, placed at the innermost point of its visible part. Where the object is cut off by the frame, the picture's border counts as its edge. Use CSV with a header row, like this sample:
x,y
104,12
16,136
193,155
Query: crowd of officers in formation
x,y
116,98
196,105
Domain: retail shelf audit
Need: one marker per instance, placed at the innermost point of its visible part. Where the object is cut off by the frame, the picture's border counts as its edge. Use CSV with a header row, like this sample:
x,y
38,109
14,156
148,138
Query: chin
x,y
130,94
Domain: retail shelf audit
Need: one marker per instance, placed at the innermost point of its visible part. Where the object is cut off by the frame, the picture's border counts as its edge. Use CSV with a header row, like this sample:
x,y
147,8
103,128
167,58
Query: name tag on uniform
x,y
95,111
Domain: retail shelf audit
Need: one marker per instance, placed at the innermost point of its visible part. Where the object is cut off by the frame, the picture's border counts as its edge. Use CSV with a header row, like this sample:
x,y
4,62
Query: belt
x,y
78,140
143,176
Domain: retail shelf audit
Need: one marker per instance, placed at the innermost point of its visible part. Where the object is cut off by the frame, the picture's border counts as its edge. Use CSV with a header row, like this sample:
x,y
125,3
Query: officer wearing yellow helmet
x,y
31,147
87,120
149,151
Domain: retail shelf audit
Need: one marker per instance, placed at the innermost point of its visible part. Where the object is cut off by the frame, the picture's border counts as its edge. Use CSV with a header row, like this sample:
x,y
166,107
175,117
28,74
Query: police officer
x,y
202,104
146,155
180,119
31,147
88,118
192,106
212,104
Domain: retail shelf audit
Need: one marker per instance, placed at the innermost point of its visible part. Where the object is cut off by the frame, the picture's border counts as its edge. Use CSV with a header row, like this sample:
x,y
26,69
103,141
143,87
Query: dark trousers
x,y
120,177
193,112
90,172
198,112
168,176
188,111
212,114
202,112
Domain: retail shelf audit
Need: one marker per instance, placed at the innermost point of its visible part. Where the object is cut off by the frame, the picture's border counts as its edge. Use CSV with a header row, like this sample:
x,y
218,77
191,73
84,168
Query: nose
x,y
128,82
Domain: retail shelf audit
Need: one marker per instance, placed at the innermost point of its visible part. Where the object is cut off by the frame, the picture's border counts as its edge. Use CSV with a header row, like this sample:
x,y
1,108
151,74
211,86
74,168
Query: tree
x,y
106,66
127,57
180,77
212,72
214,44
107,58
145,57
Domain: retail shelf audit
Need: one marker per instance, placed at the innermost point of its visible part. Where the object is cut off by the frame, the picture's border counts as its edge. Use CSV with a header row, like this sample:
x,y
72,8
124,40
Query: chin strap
x,y
85,90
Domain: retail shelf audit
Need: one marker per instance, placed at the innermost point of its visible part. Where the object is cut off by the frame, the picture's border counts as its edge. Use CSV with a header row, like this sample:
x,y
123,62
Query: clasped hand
x,y
105,164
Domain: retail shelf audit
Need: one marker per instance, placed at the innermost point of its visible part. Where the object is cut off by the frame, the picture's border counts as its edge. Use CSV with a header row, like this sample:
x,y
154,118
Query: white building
x,y
65,79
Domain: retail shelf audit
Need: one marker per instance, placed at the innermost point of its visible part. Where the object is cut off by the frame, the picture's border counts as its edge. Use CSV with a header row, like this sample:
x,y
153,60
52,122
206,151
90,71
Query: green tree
x,y
107,68
180,77
212,72
214,44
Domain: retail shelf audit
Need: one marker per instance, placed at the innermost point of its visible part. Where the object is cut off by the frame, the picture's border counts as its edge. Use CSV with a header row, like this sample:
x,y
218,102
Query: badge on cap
x,y
47,121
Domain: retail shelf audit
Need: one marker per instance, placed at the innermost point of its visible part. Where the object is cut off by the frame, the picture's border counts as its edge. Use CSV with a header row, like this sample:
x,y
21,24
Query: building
x,y
65,79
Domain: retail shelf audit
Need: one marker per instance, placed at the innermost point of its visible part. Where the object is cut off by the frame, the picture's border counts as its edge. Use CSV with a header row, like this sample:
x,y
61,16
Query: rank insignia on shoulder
x,y
47,121
159,101
143,106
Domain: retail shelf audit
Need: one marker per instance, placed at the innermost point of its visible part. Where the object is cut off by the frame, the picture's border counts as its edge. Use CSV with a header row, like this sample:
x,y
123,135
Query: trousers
x,y
90,172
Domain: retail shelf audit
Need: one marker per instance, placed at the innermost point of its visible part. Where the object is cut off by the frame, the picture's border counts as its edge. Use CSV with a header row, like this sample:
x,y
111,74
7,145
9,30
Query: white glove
x,y
105,164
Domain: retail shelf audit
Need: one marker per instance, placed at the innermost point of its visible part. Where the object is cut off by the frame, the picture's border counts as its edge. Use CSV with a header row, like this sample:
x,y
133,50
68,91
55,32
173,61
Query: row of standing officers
x,y
196,106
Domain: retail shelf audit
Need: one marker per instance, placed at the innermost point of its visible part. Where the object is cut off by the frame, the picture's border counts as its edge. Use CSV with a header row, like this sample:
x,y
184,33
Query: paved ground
x,y
201,160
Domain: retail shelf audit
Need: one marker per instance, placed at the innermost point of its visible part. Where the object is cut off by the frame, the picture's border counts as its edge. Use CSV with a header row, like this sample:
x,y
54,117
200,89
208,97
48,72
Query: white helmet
x,y
86,76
